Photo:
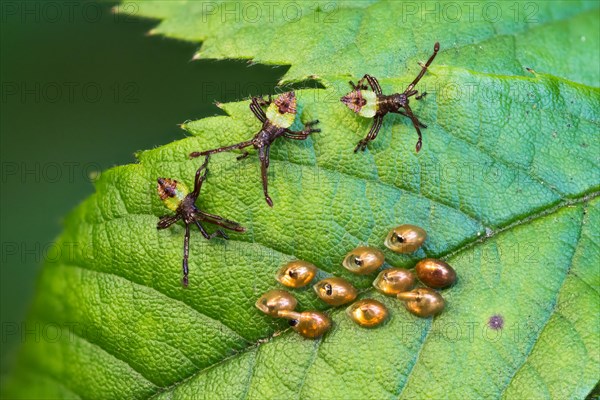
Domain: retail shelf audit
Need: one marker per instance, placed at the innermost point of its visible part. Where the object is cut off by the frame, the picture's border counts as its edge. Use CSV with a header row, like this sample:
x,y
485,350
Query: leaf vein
x,y
549,316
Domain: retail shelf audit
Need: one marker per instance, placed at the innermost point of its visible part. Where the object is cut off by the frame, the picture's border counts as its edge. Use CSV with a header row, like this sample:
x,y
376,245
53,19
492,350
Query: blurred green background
x,y
82,90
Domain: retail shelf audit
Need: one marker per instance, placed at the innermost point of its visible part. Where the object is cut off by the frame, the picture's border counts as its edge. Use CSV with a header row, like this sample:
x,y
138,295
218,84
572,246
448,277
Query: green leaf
x,y
506,186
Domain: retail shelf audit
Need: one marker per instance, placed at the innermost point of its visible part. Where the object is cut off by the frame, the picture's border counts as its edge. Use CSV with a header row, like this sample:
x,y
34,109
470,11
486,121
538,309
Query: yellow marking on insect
x,y
369,109
284,120
172,192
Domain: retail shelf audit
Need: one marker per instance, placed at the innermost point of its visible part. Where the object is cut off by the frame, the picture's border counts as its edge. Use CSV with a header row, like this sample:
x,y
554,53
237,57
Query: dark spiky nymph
x,y
374,104
177,197
277,119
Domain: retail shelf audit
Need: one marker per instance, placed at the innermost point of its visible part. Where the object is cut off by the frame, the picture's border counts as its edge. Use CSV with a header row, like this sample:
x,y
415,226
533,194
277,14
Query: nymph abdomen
x,y
362,102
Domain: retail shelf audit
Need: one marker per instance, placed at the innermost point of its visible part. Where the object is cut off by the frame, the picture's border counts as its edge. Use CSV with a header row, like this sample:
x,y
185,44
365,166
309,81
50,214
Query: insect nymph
x,y
280,115
176,197
374,104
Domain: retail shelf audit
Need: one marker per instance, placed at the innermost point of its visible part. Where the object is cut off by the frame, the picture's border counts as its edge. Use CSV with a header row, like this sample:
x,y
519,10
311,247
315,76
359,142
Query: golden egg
x,y
367,313
394,280
363,260
405,239
310,324
435,273
423,302
296,274
275,301
335,291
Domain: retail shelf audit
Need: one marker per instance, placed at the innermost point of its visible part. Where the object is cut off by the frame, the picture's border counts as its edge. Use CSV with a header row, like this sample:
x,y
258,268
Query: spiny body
x,y
177,197
276,121
374,104
368,104
280,114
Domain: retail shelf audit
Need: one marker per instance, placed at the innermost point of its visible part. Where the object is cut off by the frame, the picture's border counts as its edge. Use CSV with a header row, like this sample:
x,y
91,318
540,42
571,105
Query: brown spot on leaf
x,y
496,322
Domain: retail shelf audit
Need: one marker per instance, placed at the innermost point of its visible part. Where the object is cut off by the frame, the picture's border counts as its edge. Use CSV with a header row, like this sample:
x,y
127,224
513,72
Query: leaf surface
x,y
506,186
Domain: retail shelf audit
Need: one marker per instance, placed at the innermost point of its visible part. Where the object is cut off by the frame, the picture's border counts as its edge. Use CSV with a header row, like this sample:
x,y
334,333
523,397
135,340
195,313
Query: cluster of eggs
x,y
336,291
282,304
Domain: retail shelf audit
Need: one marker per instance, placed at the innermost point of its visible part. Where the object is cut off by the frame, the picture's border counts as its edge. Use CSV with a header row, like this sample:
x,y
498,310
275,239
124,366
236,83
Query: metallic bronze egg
x,y
275,301
405,239
363,260
310,324
435,273
296,274
423,302
394,280
335,291
367,313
